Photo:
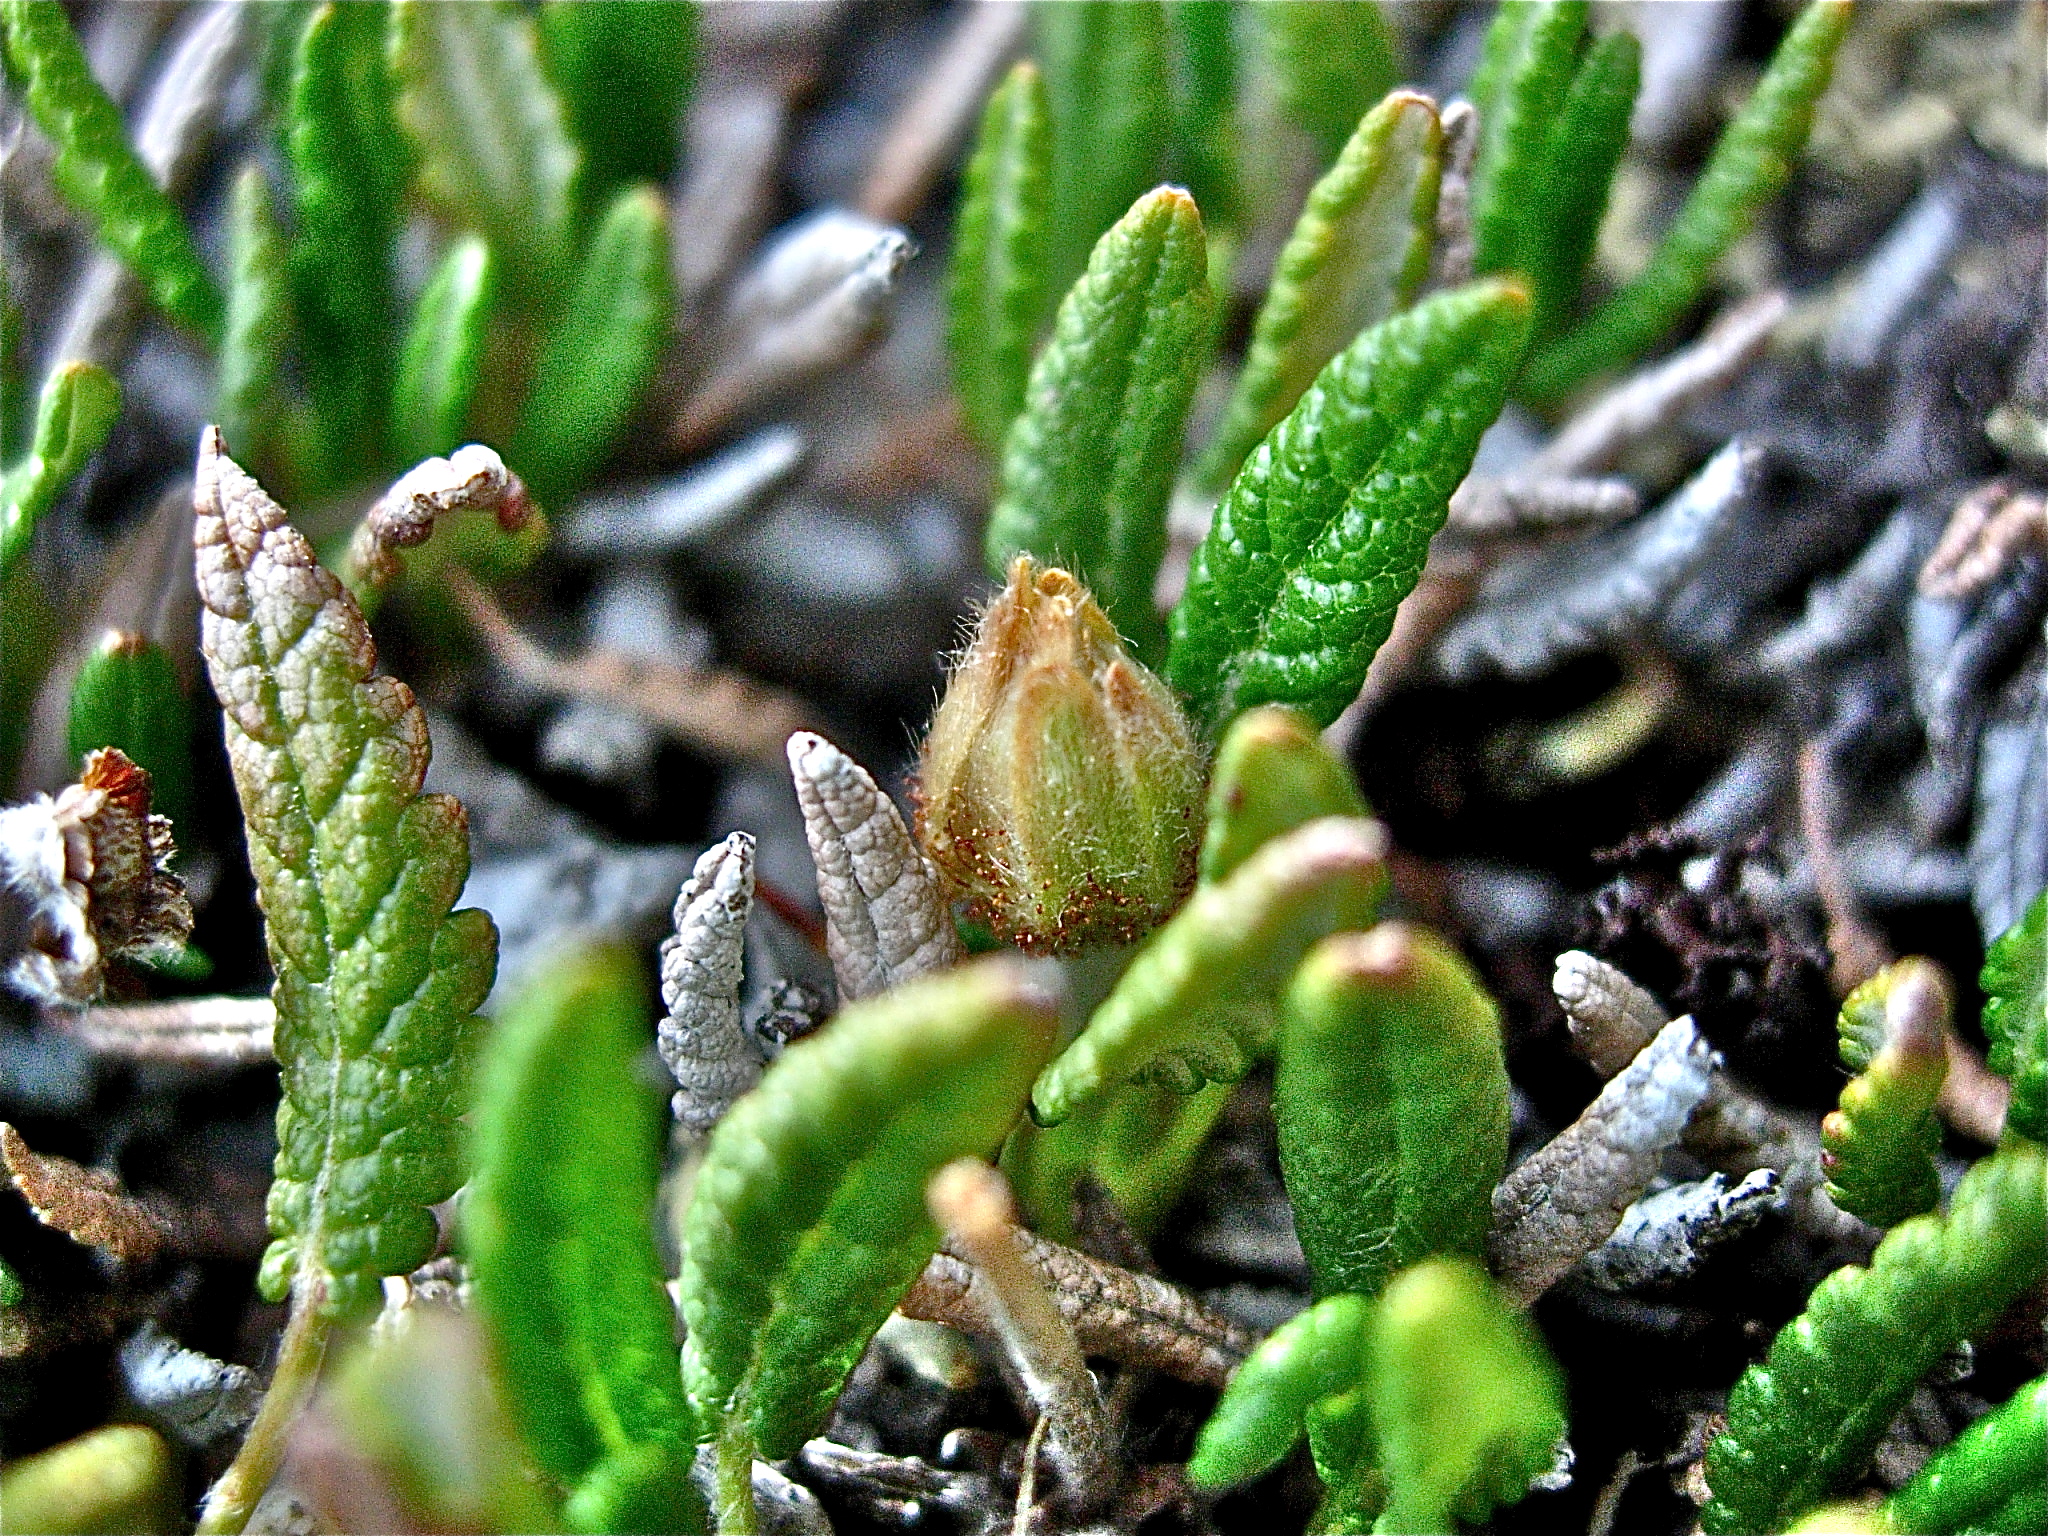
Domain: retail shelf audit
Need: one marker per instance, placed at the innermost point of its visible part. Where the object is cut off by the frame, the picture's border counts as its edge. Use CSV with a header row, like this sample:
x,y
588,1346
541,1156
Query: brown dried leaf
x,y
83,1203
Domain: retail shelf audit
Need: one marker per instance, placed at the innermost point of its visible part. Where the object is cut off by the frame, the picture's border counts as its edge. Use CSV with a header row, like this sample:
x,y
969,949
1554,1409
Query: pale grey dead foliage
x,y
668,515
1668,1235
194,1396
1610,1017
886,914
700,1037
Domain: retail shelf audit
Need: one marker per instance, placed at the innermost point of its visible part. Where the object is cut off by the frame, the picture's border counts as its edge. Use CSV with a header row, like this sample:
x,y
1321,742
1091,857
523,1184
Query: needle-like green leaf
x,y
349,168
624,73
356,872
999,283
442,360
1750,166
602,350
2015,984
1106,86
1807,1418
495,154
1316,1355
1198,1003
1467,1405
808,1220
1202,67
96,169
76,412
1976,1481
127,695
1356,256
559,1229
1330,60
1325,529
1272,773
1392,1103
259,320
1586,145
1878,1145
1524,76
1088,467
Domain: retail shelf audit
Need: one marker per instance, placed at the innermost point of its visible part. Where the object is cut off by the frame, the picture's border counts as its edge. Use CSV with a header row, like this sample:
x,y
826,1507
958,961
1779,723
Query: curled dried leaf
x,y
83,1203
472,477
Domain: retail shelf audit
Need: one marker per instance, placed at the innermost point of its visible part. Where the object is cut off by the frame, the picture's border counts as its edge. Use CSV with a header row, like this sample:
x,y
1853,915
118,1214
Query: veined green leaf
x,y
1330,61
1357,255
495,155
1973,1481
1325,529
76,412
2015,984
558,1224
356,871
1878,1145
1272,773
259,320
1750,166
443,356
999,283
1198,1002
1586,145
1088,467
601,350
97,170
624,73
1808,1416
127,695
349,169
1316,1355
808,1217
1524,75
1467,1406
1392,1103
1106,86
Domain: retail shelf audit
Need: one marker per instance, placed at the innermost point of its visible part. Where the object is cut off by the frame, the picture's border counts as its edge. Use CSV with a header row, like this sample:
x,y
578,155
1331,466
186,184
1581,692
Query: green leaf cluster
x,y
2015,982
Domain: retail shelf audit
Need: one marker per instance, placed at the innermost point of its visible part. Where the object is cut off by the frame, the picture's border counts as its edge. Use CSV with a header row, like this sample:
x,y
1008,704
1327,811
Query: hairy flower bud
x,y
1060,783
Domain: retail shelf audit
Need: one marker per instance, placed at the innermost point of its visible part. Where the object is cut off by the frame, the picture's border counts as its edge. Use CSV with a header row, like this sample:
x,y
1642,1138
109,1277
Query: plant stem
x,y
736,1482
231,1501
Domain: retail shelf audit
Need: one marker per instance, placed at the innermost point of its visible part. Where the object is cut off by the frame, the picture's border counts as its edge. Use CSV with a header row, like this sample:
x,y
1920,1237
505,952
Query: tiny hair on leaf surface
x,y
808,1218
1326,527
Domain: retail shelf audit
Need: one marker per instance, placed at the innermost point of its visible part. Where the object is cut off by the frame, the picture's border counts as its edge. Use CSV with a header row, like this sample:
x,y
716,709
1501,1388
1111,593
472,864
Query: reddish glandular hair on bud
x,y
1060,787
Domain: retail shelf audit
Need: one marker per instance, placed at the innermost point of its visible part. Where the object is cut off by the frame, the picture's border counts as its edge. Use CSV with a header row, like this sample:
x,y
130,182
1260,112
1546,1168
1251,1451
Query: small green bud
x,y
1060,784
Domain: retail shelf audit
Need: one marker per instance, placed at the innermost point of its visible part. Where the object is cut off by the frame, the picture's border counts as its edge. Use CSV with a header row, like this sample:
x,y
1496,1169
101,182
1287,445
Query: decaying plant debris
x,y
1721,698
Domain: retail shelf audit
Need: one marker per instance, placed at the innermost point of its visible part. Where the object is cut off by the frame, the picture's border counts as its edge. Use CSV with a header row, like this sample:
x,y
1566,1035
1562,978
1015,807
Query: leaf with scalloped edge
x,y
1803,1422
1326,527
1878,1144
1989,1478
2015,984
807,1221
356,872
97,169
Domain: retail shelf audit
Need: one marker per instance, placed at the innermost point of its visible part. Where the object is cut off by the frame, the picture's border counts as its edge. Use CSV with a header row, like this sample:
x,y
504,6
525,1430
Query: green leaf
x,y
1392,1105
1140,1144
259,321
624,73
495,155
118,1478
1197,1003
601,351
1524,76
73,417
559,1227
1088,467
442,360
1357,255
1330,60
1325,529
1807,1418
1750,166
97,171
1316,1355
1466,1403
999,281
1585,148
1202,65
356,871
349,169
127,695
1272,773
14,412
1106,86
1972,1478
2015,982
1878,1146
808,1220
